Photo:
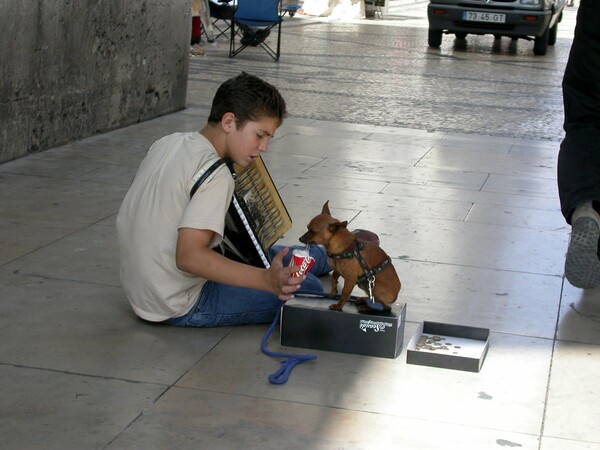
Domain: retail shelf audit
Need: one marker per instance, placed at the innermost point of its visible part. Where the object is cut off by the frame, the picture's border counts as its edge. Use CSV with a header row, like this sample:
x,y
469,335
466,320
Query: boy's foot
x,y
582,266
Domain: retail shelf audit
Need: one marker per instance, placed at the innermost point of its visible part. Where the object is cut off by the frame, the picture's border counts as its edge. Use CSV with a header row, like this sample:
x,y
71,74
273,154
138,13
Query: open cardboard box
x,y
309,323
448,346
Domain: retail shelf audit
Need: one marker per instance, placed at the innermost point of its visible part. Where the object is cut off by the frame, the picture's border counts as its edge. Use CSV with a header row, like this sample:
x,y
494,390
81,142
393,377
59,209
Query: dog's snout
x,y
306,237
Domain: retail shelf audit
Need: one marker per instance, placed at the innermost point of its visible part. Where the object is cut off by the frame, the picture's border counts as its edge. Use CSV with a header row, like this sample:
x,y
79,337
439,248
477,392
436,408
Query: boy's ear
x,y
228,122
326,208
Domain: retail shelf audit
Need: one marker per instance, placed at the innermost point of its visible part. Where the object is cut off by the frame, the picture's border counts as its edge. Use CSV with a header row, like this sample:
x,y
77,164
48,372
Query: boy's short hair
x,y
249,98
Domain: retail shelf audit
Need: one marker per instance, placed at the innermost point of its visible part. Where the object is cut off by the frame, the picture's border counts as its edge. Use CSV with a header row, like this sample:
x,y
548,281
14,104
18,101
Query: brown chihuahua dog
x,y
358,262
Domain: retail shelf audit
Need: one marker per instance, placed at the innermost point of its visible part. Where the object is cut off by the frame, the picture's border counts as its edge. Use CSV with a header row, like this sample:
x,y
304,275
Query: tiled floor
x,y
473,227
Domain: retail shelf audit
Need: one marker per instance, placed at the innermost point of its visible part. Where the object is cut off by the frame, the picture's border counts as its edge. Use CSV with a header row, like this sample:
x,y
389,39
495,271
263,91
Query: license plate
x,y
476,16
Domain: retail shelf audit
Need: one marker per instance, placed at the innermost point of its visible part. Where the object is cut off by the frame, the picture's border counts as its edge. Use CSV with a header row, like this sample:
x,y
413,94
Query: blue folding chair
x,y
253,21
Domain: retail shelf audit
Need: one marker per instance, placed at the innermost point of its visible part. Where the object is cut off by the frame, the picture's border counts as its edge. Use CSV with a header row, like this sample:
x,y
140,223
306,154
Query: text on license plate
x,y
477,16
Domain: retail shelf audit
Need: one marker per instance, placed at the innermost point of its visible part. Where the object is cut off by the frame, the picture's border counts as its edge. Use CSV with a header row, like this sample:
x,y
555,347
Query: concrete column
x,y
73,68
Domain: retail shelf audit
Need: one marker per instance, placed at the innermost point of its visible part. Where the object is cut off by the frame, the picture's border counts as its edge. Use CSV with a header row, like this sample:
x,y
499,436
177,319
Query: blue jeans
x,y
221,305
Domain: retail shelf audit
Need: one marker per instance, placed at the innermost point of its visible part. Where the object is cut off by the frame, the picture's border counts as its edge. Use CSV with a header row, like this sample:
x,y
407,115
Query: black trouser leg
x,y
579,157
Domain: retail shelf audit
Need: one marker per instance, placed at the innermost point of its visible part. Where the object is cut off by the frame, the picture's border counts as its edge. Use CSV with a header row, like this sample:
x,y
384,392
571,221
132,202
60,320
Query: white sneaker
x,y
582,266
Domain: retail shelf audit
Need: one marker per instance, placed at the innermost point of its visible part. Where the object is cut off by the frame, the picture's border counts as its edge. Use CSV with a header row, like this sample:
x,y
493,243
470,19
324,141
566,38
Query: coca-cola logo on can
x,y
302,259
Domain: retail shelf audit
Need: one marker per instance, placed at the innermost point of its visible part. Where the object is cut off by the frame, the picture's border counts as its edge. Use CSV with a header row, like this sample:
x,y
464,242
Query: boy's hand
x,y
279,278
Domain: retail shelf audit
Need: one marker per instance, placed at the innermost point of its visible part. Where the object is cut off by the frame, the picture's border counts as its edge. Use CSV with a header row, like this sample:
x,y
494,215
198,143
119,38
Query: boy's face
x,y
246,143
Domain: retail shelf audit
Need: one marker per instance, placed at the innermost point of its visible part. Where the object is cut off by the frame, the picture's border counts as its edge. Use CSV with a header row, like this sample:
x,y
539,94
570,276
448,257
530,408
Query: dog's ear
x,y
337,226
326,208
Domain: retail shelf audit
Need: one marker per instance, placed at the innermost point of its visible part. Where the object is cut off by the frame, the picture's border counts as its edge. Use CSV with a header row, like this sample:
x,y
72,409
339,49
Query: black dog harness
x,y
368,275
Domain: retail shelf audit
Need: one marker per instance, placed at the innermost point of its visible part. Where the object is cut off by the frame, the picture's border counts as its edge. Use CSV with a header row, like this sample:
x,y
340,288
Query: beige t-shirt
x,y
155,207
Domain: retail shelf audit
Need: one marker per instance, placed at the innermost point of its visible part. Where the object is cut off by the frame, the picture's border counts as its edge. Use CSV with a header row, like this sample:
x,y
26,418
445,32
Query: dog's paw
x,y
335,307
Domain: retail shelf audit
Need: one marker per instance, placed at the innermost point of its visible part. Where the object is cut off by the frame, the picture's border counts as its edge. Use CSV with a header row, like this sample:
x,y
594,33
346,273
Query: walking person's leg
x,y
579,157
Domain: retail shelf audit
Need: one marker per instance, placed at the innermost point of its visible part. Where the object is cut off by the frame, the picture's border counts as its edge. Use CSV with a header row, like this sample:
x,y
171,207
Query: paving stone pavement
x,y
381,72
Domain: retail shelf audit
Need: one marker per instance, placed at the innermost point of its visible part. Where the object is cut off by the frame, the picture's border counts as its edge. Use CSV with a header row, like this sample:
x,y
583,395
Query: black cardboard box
x,y
308,323
448,346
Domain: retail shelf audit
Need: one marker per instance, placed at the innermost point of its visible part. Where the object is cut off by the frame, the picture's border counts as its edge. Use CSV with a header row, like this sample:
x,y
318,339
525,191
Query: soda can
x,y
302,259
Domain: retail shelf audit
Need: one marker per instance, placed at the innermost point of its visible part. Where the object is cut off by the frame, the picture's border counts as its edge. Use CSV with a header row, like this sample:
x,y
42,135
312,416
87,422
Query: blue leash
x,y
282,375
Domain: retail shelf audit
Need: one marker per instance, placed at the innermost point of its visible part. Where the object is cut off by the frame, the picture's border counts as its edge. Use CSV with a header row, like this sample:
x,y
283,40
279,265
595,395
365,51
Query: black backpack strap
x,y
204,172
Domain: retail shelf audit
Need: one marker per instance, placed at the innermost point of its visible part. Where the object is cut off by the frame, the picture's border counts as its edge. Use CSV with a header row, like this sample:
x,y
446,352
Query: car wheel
x,y
552,34
540,44
460,35
434,38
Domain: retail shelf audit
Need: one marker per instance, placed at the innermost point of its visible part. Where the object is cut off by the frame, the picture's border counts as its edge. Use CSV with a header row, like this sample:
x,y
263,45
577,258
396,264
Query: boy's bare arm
x,y
194,256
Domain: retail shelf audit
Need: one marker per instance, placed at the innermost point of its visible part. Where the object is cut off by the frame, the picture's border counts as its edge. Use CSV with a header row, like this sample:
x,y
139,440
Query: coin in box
x,y
448,346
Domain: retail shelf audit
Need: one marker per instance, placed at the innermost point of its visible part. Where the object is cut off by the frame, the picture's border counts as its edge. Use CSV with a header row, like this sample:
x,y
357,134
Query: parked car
x,y
535,20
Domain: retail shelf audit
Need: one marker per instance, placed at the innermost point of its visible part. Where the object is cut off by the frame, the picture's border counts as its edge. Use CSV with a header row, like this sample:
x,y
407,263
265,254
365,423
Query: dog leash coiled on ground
x,y
282,375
